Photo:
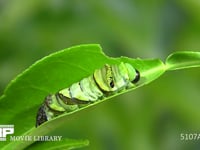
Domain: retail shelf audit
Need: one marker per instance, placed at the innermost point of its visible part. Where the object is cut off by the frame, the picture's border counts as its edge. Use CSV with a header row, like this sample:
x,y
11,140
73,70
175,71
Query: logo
x,y
9,129
5,130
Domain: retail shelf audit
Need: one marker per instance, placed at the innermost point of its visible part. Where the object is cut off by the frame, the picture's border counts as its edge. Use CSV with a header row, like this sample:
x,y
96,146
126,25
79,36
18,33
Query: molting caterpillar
x,y
104,82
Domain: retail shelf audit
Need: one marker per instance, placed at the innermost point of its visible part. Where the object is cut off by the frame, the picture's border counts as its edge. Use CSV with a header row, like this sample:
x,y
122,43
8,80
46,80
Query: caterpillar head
x,y
133,74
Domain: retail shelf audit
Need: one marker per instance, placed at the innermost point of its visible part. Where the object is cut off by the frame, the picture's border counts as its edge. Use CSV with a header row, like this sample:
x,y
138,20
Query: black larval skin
x,y
41,116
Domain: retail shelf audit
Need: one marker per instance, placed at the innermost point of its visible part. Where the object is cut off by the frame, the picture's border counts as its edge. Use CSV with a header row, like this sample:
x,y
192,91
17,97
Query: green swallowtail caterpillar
x,y
104,82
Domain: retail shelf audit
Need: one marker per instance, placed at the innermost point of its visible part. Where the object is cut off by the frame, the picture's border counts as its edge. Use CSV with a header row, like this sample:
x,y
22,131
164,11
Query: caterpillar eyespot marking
x,y
104,82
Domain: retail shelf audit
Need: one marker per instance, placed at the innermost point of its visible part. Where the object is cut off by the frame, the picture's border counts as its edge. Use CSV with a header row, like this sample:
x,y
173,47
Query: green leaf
x,y
66,144
183,59
49,145
24,95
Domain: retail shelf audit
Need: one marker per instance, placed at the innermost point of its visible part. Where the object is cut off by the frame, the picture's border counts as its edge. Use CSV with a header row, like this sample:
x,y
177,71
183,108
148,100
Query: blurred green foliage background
x,y
152,117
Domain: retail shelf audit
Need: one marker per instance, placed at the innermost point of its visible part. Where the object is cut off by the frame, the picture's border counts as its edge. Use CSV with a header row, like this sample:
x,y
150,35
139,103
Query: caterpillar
x,y
104,82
